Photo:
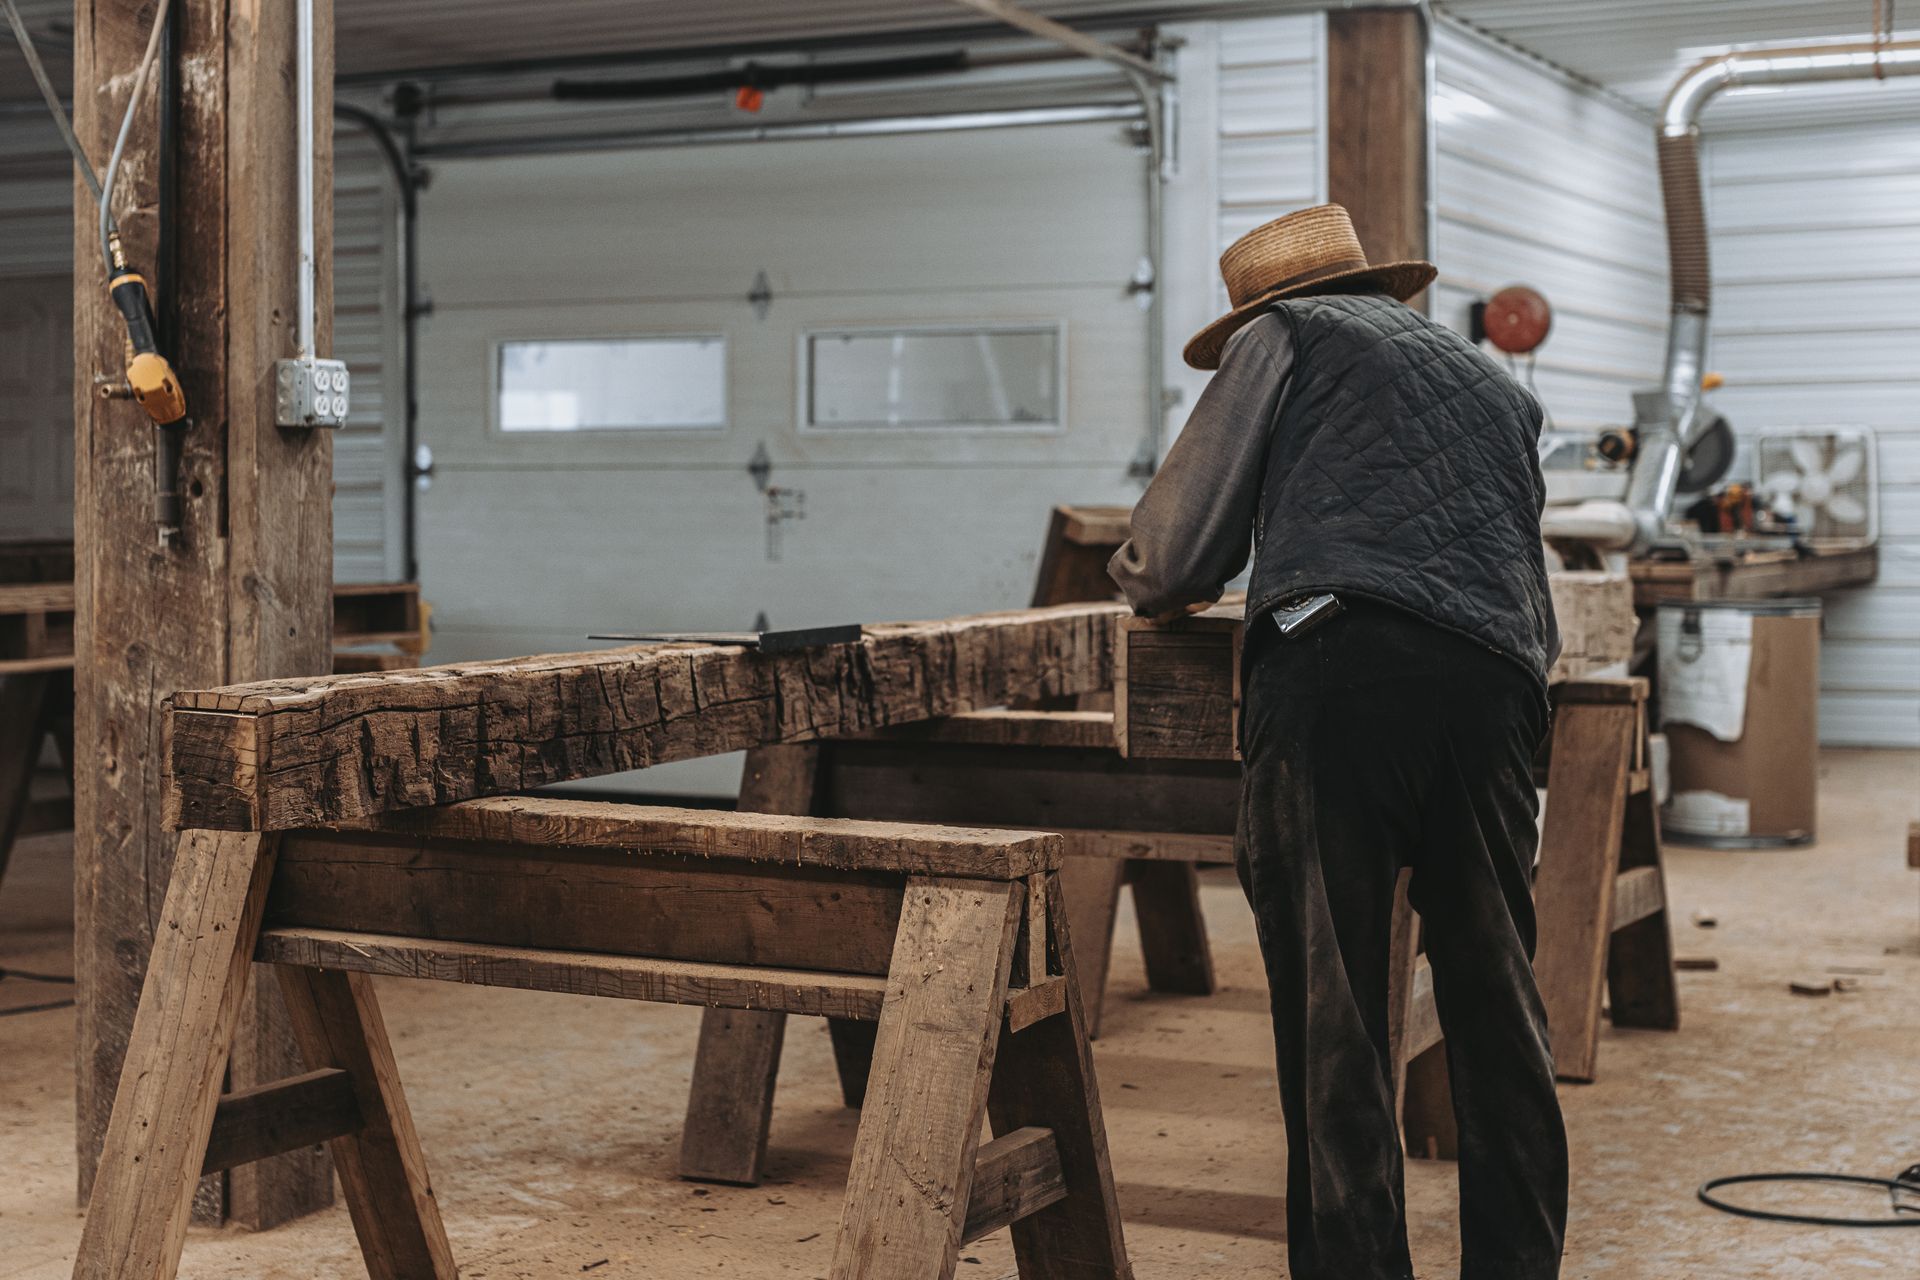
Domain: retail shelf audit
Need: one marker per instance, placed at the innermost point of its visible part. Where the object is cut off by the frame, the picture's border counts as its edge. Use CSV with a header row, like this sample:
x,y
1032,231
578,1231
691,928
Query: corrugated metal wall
x,y
36,330
36,247
1816,261
1251,146
1544,182
368,540
36,196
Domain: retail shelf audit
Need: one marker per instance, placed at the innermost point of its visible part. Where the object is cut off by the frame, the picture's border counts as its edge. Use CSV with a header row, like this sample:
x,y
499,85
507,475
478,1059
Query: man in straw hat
x,y
1399,631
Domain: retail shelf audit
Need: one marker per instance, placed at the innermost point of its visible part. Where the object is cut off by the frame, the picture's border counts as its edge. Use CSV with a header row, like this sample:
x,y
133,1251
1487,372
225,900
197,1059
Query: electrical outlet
x,y
310,392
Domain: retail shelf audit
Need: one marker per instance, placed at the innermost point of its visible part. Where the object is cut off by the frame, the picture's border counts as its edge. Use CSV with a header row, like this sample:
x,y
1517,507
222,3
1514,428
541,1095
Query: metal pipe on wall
x,y
1668,422
640,139
303,92
1156,107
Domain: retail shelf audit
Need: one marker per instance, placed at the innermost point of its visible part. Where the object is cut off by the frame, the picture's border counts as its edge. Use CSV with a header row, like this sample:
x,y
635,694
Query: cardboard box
x,y
1758,788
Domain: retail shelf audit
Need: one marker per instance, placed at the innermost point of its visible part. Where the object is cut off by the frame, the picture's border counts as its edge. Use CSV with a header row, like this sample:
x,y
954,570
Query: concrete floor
x,y
551,1122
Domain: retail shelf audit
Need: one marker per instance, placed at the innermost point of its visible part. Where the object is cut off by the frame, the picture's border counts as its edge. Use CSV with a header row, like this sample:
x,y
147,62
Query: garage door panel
x,y
701,222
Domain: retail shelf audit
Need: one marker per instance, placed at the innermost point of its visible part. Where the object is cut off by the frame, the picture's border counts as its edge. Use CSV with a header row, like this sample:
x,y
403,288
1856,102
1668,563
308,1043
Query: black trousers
x,y
1373,743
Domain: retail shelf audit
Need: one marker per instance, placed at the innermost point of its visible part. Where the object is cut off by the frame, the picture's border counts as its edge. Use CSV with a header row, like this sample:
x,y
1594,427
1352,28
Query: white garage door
x,y
943,347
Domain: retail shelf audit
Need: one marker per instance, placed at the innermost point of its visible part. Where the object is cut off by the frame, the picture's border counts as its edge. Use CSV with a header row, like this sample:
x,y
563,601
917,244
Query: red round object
x,y
1518,319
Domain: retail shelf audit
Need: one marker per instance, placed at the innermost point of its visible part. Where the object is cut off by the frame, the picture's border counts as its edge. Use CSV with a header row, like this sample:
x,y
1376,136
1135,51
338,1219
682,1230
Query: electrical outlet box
x,y
310,392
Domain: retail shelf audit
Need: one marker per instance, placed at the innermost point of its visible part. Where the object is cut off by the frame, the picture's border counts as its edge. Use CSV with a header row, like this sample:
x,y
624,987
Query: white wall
x,y
1816,322
1544,182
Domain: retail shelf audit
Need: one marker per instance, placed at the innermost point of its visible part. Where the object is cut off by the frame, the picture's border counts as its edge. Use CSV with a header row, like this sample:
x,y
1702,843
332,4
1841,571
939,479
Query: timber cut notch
x,y
279,754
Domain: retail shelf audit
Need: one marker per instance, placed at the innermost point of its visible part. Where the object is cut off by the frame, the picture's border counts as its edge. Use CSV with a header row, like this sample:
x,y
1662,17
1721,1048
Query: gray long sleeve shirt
x,y
1193,527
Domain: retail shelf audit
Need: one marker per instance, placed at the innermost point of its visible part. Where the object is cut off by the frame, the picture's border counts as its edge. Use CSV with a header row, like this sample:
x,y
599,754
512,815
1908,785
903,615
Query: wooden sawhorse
x,y
951,940
1148,823
35,706
1600,898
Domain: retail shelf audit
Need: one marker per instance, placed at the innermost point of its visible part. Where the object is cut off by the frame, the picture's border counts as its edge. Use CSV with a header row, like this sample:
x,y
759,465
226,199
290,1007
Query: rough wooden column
x,y
241,593
1377,129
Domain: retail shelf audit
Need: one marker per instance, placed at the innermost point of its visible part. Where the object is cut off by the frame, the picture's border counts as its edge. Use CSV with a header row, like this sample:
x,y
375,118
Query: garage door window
x,y
654,383
1002,376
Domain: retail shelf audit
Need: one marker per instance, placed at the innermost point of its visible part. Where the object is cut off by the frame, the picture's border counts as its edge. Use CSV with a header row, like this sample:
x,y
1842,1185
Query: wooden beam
x,y
271,1119
1637,894
143,1192
383,1172
241,592
794,840
1089,730
618,903
1096,797
730,1103
1377,128
579,973
320,752
23,703
1176,691
1014,1175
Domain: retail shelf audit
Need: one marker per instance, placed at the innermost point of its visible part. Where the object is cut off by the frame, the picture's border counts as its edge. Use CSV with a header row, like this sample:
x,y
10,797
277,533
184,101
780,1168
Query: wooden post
x,y
242,592
1377,129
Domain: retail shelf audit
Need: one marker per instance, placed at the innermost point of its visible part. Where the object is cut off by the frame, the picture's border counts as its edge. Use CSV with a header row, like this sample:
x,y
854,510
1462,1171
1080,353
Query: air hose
x,y
150,376
1907,1184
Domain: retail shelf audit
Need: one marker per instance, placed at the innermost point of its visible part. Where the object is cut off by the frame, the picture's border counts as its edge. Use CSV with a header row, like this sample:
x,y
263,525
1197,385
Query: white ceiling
x,y
1633,47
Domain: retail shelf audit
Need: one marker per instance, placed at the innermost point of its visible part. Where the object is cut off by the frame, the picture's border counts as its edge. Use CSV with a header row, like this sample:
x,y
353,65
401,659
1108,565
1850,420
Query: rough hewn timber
x,y
241,593
282,754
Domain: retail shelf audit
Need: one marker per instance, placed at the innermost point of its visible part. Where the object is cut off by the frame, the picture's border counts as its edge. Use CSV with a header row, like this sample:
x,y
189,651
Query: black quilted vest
x,y
1405,468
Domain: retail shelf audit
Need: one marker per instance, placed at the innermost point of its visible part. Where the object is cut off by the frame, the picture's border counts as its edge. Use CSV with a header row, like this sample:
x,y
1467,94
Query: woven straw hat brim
x,y
1399,280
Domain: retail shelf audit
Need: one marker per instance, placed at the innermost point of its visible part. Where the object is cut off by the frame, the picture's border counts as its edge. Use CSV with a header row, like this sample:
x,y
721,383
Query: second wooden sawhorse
x,y
1600,898
949,941
1147,823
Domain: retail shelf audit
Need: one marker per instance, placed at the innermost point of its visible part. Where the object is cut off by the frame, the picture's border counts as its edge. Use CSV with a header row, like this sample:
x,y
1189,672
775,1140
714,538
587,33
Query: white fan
x,y
1823,479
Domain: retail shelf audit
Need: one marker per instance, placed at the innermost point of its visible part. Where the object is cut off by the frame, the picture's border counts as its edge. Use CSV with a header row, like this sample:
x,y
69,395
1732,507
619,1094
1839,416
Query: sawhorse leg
x,y
910,1196
735,1070
1601,833
1173,933
166,1128
1641,988
23,728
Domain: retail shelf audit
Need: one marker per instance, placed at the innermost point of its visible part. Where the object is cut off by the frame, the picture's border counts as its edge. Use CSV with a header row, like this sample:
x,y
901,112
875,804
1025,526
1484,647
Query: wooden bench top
x,y
844,844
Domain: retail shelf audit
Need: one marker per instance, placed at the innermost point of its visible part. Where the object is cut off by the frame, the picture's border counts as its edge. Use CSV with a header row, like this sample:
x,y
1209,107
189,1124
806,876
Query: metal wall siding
x,y
1816,255
1543,182
1268,134
36,197
1251,130
366,325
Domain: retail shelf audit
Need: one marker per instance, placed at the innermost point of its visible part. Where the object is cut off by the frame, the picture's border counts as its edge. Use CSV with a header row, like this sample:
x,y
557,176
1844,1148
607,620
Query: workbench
x,y
1752,575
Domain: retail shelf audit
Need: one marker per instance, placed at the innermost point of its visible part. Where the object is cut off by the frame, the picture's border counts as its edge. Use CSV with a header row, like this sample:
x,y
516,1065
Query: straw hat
x,y
1312,251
